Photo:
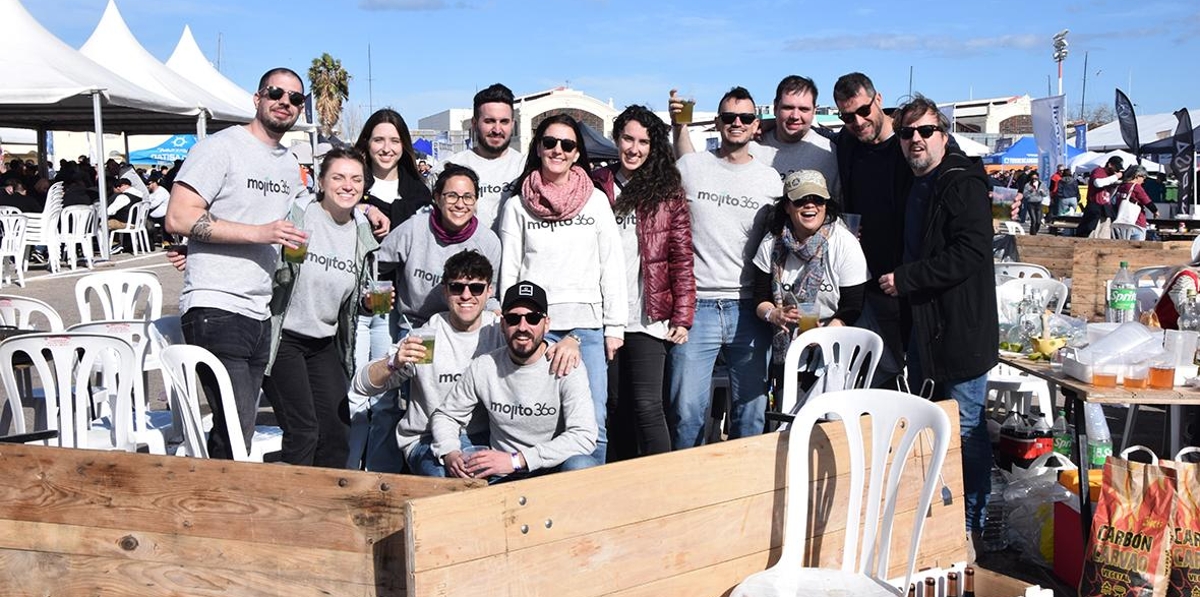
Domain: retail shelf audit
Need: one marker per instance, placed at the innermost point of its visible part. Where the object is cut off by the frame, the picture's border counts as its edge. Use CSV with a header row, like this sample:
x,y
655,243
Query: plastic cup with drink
x,y
379,297
300,253
427,338
809,316
687,110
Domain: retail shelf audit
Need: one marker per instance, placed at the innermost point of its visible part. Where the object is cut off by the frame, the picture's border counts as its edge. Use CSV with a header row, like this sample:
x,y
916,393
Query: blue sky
x,y
429,55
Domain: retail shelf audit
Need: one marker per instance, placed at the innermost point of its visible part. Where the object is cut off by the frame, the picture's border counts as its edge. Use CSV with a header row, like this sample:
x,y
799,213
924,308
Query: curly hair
x,y
657,179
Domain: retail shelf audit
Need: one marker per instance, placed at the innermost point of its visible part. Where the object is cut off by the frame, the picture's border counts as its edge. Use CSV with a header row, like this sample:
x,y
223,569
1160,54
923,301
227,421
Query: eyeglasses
x,y
549,142
926,131
274,93
817,201
863,112
745,117
468,200
532,317
476,288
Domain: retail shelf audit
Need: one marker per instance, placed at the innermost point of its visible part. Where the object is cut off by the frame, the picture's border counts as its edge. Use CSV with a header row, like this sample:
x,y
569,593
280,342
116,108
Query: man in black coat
x,y
946,280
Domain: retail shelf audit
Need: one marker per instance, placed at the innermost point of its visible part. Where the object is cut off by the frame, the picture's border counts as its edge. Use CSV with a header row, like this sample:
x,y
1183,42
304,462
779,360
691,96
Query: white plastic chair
x,y
1009,227
849,356
12,246
1017,269
1053,292
8,210
1125,231
120,295
151,428
24,313
1151,283
135,228
77,230
43,229
866,557
63,362
180,362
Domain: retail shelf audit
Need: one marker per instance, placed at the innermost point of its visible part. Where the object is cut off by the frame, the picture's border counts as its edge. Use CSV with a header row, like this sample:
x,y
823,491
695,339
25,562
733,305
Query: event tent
x,y
970,147
1166,145
1151,128
599,149
1022,153
50,85
187,60
113,46
1090,160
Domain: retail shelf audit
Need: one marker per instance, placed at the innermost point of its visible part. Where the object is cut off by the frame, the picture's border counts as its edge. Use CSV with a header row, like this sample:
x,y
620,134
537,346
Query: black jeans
x,y
307,389
241,344
637,423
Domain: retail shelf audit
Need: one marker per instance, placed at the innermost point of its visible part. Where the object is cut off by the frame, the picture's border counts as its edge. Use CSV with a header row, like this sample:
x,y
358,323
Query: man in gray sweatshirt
x,y
538,422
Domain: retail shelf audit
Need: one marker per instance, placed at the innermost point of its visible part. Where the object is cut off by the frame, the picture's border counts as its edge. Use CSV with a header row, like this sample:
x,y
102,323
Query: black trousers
x,y
637,424
307,389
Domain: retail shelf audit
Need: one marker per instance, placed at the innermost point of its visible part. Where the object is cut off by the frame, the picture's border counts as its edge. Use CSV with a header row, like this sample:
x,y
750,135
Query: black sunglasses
x,y
514,319
813,199
745,117
926,130
274,93
863,112
456,288
549,142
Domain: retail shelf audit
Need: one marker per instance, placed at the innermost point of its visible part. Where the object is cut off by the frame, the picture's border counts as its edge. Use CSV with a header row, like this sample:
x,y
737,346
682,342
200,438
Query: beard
x,y
488,149
513,346
270,123
921,163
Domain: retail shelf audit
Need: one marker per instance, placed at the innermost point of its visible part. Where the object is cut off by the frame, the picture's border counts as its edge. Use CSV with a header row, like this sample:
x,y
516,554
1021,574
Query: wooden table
x,y
1077,393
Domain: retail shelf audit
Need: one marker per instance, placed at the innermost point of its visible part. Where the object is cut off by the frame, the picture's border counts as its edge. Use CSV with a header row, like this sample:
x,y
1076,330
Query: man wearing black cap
x,y
1099,210
538,422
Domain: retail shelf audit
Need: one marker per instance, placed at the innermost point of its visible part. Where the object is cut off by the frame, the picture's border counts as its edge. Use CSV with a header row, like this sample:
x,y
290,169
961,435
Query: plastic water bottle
x,y
1122,296
1062,434
1099,444
995,526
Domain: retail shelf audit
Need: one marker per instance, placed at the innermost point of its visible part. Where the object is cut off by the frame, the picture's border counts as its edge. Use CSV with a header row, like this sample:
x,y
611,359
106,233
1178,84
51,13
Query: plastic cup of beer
x,y
1105,376
1136,376
300,253
379,297
427,338
686,113
809,316
1162,375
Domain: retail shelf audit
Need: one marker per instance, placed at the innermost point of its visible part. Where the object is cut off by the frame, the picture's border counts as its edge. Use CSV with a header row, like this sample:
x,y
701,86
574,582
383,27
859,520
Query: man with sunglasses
x,y
230,200
730,195
875,179
538,422
464,332
497,164
946,281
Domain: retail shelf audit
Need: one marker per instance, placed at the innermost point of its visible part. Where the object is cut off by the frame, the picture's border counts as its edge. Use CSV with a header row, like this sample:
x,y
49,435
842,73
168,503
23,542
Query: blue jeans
x,y
971,396
721,326
371,341
421,460
383,453
596,362
243,345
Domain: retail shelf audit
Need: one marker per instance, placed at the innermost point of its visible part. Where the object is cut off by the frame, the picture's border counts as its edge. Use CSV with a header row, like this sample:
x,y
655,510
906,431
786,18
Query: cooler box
x,y
1068,532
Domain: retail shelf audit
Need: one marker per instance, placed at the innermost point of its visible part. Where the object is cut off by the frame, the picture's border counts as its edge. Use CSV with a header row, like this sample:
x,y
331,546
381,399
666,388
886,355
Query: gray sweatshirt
x,y
546,418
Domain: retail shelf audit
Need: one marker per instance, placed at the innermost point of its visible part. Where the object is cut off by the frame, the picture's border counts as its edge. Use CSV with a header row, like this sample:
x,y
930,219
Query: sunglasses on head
x,y
863,112
926,131
274,93
813,199
549,142
532,317
476,288
745,117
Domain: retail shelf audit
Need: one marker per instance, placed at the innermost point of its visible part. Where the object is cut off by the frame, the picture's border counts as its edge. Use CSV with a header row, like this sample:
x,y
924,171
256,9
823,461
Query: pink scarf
x,y
555,203
447,237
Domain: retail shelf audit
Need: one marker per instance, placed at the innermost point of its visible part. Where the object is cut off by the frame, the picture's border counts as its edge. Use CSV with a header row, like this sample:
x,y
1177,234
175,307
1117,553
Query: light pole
x,y
1060,53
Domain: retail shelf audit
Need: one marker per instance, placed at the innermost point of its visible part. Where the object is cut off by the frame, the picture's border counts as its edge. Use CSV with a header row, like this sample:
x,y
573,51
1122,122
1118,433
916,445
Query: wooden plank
x,y
37,573
446,532
1096,261
263,503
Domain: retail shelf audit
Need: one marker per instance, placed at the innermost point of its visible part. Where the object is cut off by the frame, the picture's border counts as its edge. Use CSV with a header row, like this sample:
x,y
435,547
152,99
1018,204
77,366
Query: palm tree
x,y
330,84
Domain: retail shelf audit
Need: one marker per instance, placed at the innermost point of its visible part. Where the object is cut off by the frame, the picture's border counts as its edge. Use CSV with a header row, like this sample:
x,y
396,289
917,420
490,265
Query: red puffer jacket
x,y
665,244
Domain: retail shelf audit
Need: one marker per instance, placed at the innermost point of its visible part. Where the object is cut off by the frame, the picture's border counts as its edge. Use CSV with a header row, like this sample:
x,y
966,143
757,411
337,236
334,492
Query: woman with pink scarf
x,y
560,233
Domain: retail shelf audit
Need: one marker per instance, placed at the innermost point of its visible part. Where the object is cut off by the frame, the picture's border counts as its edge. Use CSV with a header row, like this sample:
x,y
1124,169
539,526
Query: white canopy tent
x,y
113,46
970,147
1151,128
1090,160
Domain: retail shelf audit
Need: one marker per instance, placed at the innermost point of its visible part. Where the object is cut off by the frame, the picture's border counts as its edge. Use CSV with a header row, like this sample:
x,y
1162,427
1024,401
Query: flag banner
x,y
1050,133
1081,136
1183,162
1128,121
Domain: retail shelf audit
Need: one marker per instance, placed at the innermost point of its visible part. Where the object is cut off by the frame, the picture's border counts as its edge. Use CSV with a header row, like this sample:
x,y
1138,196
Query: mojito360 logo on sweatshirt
x,y
524,411
268,186
726,199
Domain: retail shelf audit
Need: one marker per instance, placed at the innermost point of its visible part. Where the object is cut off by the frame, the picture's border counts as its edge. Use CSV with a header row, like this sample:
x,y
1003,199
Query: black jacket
x,y
413,196
951,289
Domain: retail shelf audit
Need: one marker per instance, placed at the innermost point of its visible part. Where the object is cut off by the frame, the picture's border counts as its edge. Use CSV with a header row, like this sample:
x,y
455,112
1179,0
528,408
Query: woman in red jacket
x,y
646,193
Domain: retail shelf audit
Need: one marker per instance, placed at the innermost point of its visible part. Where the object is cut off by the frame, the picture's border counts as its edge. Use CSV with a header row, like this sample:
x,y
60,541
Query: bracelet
x,y
576,338
766,316
516,461
391,365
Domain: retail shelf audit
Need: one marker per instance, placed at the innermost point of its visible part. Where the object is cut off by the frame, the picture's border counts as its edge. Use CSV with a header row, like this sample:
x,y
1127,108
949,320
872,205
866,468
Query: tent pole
x,y
102,208
202,125
125,137
41,152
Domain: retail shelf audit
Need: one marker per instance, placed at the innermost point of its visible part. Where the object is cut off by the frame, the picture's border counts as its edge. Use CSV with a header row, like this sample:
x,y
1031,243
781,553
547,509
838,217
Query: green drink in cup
x,y
300,253
427,338
379,297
